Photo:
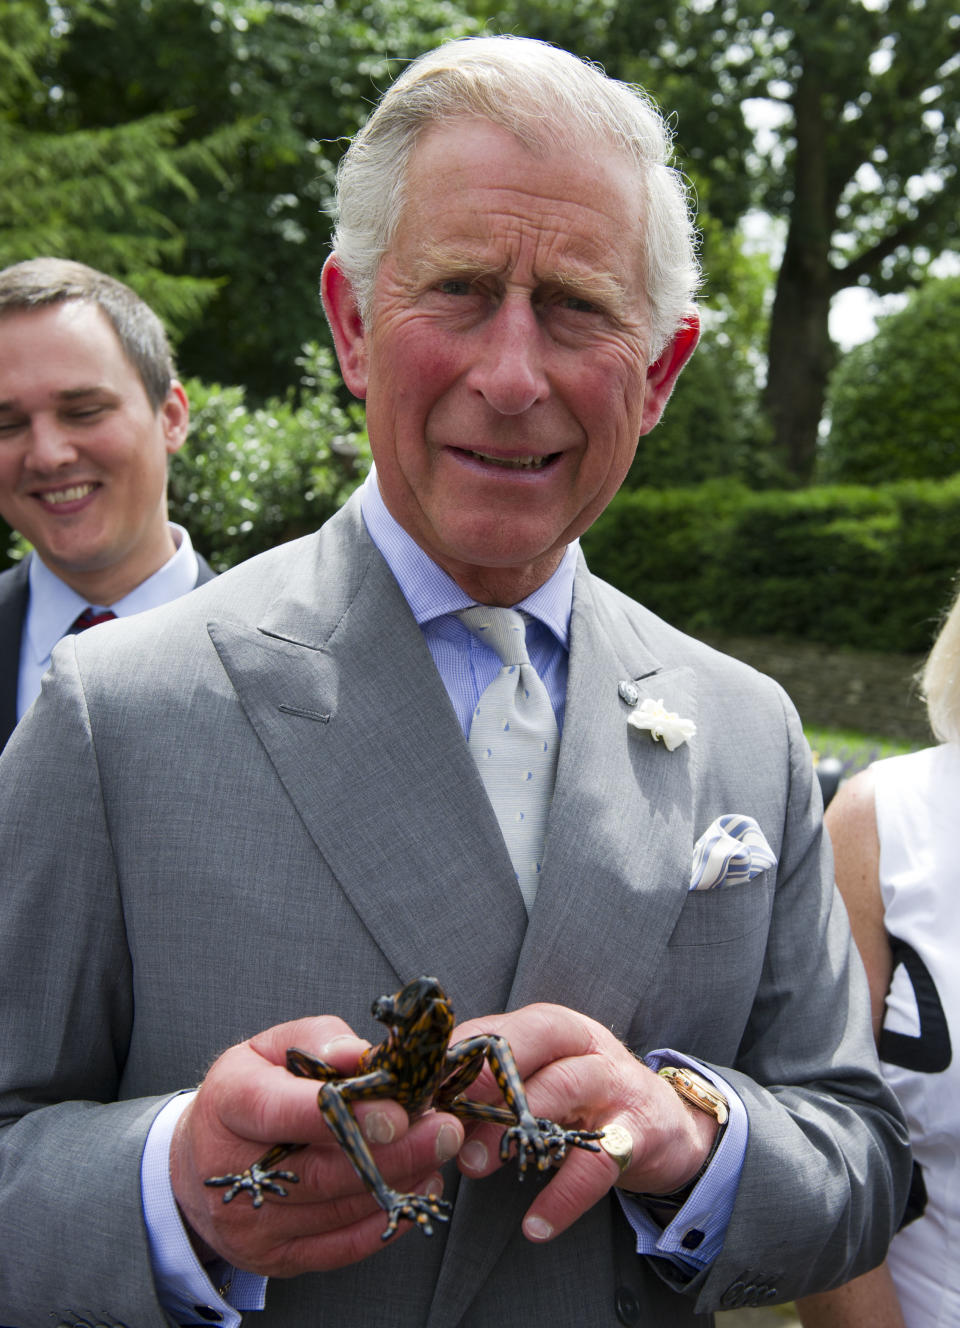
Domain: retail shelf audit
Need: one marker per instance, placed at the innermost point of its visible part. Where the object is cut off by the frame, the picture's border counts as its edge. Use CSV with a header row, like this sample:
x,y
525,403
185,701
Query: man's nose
x,y
509,371
49,445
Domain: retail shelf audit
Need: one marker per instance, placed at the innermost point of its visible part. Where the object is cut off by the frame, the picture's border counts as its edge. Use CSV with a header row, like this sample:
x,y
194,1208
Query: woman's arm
x,y
869,1301
851,820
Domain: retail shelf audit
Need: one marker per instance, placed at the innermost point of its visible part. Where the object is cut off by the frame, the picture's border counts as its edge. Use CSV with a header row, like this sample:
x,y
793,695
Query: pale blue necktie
x,y
515,742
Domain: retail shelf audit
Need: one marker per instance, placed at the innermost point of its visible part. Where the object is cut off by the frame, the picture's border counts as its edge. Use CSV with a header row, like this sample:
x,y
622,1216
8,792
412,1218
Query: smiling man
x,y
425,740
89,413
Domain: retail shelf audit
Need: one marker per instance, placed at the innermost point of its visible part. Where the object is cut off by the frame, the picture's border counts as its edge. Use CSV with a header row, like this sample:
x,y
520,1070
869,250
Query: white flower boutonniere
x,y
662,724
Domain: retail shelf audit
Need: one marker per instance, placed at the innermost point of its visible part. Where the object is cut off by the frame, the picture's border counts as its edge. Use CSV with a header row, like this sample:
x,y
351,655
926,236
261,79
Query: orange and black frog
x,y
416,1066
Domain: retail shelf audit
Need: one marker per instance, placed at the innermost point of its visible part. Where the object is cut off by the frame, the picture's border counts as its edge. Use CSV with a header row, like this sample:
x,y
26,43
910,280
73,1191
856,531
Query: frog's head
x,y
419,998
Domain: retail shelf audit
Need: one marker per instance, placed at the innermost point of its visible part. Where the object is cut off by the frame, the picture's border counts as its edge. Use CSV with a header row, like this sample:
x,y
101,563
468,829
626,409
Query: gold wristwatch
x,y
693,1088
700,1093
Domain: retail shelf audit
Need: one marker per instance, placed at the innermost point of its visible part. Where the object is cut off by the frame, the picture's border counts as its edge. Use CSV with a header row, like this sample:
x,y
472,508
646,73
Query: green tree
x,y
251,477
92,193
301,77
894,402
859,159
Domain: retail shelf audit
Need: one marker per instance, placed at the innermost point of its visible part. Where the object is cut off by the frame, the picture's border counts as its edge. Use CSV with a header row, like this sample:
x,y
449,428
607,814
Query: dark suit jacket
x,y
256,803
14,593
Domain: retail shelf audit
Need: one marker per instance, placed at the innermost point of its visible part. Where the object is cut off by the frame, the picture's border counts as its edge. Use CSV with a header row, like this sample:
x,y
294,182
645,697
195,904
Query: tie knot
x,y
90,618
503,630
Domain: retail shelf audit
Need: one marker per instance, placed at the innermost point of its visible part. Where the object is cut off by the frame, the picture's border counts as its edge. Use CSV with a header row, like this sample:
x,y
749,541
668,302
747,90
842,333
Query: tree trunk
x,y
801,356
800,349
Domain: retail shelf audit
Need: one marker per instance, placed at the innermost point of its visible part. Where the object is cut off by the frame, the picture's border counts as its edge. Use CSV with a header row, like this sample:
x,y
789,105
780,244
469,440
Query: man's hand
x,y
249,1101
577,1073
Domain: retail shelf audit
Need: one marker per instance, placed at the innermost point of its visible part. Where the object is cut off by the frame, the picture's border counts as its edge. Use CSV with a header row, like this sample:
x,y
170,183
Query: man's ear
x,y
349,334
664,372
175,413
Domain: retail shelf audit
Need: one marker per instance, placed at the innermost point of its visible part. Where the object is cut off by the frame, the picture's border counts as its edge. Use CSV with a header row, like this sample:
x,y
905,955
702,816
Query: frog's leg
x,y
538,1140
260,1176
334,1101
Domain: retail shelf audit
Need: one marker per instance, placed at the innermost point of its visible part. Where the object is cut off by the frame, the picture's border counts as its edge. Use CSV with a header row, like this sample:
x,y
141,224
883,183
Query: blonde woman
x,y
894,829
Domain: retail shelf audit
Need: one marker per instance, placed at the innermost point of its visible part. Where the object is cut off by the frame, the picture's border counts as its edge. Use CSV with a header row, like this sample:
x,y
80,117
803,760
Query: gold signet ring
x,y
616,1142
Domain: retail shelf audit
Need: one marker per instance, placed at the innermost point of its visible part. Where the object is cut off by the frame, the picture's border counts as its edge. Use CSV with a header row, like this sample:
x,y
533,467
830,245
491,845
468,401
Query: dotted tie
x,y
515,742
90,618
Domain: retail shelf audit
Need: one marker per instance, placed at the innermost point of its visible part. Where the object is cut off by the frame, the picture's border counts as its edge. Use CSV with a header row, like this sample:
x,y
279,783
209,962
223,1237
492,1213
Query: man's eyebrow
x,y
78,393
577,279
67,395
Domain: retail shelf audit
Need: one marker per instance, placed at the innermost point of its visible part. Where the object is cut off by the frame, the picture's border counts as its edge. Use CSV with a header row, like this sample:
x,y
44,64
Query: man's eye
x,y
454,287
578,305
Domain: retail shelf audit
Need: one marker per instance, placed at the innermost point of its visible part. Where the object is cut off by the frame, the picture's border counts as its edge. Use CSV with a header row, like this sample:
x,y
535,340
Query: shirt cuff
x,y
696,1233
190,1292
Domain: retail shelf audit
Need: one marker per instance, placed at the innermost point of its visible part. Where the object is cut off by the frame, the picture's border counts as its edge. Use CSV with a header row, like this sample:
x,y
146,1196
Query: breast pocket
x,y
706,981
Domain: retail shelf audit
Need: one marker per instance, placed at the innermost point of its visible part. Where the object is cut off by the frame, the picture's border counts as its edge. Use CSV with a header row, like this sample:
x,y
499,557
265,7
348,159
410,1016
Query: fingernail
x,y
433,1187
336,1042
448,1142
378,1128
534,1228
473,1156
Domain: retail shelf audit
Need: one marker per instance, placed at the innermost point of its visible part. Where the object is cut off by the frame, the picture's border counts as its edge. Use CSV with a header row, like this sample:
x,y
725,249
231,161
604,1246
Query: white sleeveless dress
x,y
918,820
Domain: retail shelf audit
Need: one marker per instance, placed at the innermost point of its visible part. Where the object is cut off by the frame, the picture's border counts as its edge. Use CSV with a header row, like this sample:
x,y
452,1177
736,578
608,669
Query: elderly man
x,y
426,740
89,413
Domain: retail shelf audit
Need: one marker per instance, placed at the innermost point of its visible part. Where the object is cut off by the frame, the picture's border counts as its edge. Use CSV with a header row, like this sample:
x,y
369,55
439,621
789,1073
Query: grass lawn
x,y
854,751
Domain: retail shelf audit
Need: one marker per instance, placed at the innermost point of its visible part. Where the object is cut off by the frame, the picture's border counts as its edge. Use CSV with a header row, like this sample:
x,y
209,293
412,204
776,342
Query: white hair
x,y
547,98
940,678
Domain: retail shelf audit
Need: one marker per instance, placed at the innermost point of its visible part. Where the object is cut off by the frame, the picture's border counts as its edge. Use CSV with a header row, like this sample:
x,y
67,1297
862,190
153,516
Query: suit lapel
x,y
347,702
616,869
620,835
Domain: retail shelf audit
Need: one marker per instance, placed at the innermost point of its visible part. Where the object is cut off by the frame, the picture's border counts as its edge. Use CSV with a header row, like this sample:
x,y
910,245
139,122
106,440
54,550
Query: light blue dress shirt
x,y
53,608
466,666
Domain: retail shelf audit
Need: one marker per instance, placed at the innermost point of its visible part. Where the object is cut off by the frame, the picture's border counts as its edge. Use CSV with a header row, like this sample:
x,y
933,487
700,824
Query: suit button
x,y
208,1313
627,1305
732,1298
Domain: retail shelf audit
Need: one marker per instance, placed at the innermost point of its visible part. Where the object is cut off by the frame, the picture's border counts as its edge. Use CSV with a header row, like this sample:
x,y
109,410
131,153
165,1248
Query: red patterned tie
x,y
90,618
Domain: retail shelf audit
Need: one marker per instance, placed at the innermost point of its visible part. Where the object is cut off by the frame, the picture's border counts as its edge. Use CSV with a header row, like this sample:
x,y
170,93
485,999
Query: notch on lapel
x,y
348,704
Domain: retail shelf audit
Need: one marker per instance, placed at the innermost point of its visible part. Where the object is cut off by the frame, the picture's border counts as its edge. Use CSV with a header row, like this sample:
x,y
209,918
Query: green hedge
x,y
871,568
253,477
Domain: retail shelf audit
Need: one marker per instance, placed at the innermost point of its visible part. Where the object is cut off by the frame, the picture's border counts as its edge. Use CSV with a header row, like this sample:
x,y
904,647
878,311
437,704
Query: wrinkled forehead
x,y
479,201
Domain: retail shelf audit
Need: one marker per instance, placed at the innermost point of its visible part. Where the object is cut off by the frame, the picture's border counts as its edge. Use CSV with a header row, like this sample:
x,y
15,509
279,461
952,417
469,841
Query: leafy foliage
x,y
863,566
895,400
252,477
299,78
713,426
93,193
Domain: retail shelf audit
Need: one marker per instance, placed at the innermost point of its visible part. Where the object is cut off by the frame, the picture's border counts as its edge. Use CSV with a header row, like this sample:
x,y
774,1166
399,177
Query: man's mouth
x,y
514,463
69,495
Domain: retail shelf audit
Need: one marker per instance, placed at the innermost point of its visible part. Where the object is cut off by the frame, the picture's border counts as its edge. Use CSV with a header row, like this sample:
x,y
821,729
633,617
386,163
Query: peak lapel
x,y
348,704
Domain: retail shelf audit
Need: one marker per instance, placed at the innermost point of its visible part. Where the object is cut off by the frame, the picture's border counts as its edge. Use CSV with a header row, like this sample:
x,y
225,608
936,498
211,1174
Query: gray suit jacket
x,y
14,594
258,804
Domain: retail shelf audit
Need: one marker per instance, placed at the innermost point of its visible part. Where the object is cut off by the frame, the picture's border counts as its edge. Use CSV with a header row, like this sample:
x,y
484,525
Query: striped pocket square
x,y
729,852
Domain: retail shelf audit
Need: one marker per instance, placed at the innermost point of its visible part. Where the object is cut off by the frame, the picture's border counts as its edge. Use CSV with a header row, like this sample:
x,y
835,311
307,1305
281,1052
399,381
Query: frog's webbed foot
x,y
260,1177
421,1209
543,1143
